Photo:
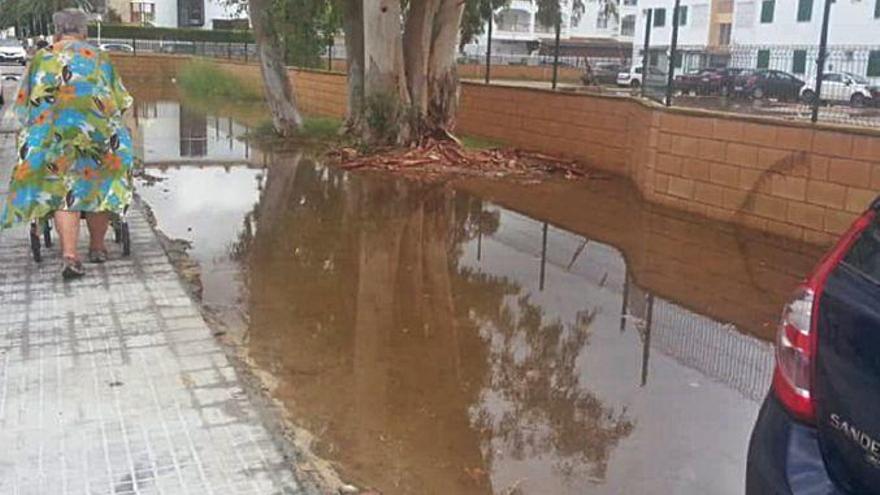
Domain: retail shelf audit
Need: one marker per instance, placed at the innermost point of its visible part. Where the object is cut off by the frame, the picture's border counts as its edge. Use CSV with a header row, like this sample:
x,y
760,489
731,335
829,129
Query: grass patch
x,y
204,80
317,132
478,143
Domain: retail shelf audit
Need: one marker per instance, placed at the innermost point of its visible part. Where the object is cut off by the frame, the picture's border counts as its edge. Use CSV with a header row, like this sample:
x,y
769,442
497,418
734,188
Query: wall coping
x,y
696,112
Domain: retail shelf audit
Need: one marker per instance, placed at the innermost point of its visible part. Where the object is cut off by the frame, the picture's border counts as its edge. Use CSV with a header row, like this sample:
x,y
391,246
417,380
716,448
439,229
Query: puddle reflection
x,y
436,342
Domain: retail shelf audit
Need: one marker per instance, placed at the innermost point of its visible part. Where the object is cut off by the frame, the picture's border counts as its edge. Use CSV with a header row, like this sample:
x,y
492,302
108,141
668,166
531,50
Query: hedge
x,y
120,31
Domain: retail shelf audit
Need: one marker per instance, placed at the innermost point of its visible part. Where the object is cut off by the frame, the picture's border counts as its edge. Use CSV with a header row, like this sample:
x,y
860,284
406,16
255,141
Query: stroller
x,y
41,234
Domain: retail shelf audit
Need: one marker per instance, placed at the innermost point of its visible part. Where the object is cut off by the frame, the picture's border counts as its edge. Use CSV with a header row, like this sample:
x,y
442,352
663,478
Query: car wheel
x,y
808,96
858,100
758,93
635,83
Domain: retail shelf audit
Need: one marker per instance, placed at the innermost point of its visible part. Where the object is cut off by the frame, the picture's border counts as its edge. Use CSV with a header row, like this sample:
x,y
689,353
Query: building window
x,y
724,34
763,59
602,21
677,60
143,13
659,17
799,62
767,9
628,25
682,16
190,13
805,10
877,10
874,64
630,2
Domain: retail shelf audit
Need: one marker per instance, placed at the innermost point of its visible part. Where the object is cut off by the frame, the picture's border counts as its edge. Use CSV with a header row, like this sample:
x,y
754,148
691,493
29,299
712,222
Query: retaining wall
x,y
795,179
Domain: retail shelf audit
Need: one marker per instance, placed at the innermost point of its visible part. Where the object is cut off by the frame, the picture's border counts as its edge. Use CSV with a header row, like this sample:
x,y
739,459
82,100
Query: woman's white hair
x,y
71,22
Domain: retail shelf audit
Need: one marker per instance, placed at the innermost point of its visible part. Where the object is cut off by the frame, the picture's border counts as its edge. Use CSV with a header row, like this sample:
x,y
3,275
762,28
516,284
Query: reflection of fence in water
x,y
716,349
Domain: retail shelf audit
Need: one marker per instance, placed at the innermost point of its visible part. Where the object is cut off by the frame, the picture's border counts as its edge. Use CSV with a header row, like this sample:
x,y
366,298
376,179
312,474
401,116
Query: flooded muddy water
x,y
487,338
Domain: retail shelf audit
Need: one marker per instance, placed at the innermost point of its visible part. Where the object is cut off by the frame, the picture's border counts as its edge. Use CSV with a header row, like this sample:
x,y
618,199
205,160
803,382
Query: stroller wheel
x,y
125,238
35,243
47,235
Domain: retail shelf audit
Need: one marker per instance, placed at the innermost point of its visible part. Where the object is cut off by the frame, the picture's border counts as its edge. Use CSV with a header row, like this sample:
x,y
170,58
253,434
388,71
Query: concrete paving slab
x,y
113,384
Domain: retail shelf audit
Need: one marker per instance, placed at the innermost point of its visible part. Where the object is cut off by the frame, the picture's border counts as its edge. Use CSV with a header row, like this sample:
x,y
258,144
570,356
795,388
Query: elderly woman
x,y
74,151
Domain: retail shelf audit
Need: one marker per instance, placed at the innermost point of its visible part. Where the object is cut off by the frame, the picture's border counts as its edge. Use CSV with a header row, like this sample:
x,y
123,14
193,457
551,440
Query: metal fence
x,y
812,82
228,50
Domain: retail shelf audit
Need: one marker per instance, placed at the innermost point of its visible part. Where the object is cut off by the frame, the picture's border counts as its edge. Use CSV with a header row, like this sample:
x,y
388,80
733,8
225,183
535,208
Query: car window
x,y
858,79
638,70
8,42
864,257
833,78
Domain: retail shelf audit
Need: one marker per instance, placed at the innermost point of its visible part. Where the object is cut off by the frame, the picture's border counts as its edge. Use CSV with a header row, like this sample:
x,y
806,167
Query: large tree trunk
x,y
443,84
416,50
353,24
279,93
385,94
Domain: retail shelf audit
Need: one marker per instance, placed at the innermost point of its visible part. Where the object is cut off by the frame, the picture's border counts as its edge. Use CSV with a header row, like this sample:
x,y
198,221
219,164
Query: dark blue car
x,y
818,431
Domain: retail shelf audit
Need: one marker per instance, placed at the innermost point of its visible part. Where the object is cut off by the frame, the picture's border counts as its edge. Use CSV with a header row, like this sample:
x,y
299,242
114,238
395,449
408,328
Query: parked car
x,y
604,73
117,47
633,77
818,430
843,87
720,81
768,83
696,81
11,50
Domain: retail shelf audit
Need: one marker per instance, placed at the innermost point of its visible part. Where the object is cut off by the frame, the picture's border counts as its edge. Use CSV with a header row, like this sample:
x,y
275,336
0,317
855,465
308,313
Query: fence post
x,y
134,46
245,51
673,50
648,20
489,45
820,60
229,49
556,50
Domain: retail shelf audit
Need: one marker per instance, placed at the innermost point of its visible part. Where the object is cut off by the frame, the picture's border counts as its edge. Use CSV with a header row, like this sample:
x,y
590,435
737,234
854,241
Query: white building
x,y
704,32
518,32
784,35
173,13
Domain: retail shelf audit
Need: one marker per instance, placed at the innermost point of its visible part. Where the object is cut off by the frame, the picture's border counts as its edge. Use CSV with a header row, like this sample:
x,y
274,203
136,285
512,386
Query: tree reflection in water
x,y
414,371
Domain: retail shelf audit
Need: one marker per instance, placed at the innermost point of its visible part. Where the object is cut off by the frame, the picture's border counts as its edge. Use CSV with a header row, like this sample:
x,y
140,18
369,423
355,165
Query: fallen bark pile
x,y
434,158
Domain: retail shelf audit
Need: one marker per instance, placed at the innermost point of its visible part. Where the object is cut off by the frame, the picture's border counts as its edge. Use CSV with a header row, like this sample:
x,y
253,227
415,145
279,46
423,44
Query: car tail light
x,y
797,339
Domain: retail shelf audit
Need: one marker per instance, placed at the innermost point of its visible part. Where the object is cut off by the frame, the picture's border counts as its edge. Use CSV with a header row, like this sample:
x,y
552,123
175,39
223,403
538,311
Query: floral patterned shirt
x,y
74,151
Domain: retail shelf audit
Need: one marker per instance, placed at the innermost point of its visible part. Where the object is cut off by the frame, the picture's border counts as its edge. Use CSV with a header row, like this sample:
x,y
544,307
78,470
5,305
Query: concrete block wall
x,y
792,179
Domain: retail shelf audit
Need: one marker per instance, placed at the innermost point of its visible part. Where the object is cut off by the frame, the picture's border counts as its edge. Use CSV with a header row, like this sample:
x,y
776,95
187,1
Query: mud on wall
x,y
797,180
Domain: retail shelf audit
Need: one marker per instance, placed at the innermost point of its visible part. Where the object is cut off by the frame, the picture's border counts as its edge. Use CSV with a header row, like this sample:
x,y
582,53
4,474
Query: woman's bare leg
x,y
98,224
67,226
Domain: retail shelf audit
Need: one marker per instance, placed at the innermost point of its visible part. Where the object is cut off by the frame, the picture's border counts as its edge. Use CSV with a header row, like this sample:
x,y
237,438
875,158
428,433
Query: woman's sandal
x,y
98,256
72,269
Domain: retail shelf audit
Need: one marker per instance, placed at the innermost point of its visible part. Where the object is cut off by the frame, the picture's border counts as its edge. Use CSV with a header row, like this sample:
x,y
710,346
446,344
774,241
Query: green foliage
x,y
177,34
30,17
204,80
306,28
476,15
478,143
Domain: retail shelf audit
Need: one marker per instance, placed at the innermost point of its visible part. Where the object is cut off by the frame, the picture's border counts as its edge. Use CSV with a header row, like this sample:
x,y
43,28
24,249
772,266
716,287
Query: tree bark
x,y
416,52
443,83
385,94
353,24
279,94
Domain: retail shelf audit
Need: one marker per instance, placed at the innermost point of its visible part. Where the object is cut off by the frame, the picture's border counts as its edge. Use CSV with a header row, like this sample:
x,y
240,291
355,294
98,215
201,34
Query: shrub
x,y
201,79
122,31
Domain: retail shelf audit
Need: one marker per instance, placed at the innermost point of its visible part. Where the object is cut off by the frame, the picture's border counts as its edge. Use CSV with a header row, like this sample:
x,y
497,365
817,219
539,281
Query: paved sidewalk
x,y
114,384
